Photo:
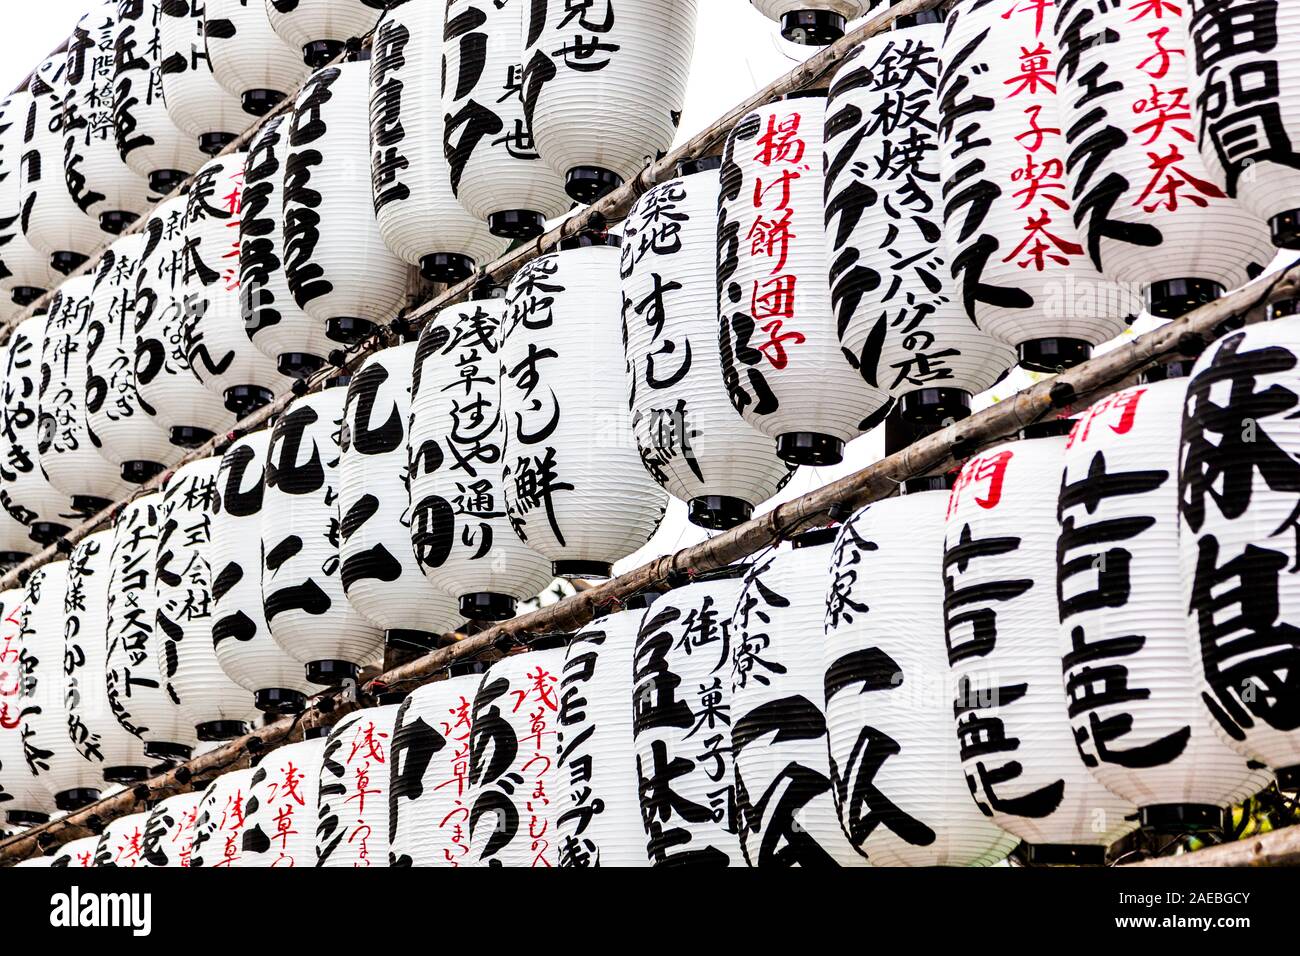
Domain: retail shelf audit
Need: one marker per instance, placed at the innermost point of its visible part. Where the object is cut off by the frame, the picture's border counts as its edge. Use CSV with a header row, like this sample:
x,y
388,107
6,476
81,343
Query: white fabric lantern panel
x,y
681,721
1239,484
196,102
169,831
514,780
575,489
247,58
302,588
1148,211
280,813
339,270
242,639
690,438
604,88
321,29
122,842
218,708
150,143
219,828
15,544
25,271
496,171
781,357
23,797
77,854
999,576
137,690
461,534
813,22
418,214
380,574
429,783
899,788
355,789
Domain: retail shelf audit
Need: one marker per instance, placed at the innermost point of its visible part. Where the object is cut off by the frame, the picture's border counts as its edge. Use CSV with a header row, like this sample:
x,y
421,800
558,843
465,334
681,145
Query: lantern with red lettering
x,y
460,533
219,828
169,831
27,802
122,842
813,22
77,854
280,809
1147,209
25,271
355,787
321,29
781,358
247,58
196,102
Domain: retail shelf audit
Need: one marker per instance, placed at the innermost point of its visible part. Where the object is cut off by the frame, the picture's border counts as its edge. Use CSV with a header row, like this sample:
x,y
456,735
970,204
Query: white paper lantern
x,y
419,216
219,829
285,333
604,86
218,708
196,102
150,143
122,842
895,767
496,171
339,270
813,22
37,861
781,357
379,571
681,719
15,543
598,808
244,647
461,534
171,395
1147,210
25,271
23,798
280,810
575,490
322,28
77,854
169,831
137,690
690,438
514,780
1000,617
302,589
247,57
428,796
355,790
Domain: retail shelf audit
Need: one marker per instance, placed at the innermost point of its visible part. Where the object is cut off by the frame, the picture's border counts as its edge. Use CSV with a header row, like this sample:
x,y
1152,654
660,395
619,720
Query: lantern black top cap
x,y
920,17
701,164
814,538
820,94
591,238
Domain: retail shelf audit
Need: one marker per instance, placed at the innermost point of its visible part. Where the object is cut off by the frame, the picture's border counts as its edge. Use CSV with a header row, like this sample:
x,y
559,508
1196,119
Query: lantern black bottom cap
x,y
332,673
188,436
220,730
10,559
348,330
718,512
809,448
260,102
587,184
279,701
213,143
812,27
448,267
126,775
46,532
1174,298
162,750
298,364
1286,229
89,505
27,818
1283,309
138,472
165,180
69,800
1053,355
319,52
407,639
25,295
581,569
1064,854
66,262
1288,778
487,606
245,399
1183,818
116,220
517,224
934,407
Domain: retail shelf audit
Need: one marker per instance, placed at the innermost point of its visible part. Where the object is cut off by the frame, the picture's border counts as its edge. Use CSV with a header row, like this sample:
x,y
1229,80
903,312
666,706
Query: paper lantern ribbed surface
x,y
247,58
169,831
690,438
1239,488
575,489
280,809
604,86
1147,210
461,534
781,358
1000,618
514,780
122,842
496,172
23,798
895,765
355,789
339,270
813,22
77,854
219,829
321,28
24,269
137,689
380,574
197,103
681,721
302,588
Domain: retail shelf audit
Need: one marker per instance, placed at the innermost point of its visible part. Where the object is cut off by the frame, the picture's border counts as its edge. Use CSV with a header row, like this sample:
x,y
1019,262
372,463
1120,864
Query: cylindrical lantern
x,y
280,815
339,270
1147,210
77,854
604,87
36,861
247,57
244,647
419,216
575,489
196,102
691,439
1239,485
379,571
219,828
23,798
169,831
429,783
302,587
170,393
25,271
322,28
1000,617
218,708
895,766
137,689
681,720
496,171
781,357
813,22
514,779
355,790
122,842
461,534
149,141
